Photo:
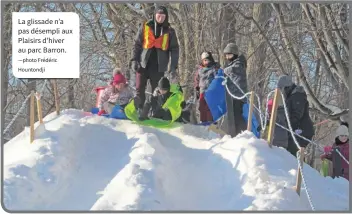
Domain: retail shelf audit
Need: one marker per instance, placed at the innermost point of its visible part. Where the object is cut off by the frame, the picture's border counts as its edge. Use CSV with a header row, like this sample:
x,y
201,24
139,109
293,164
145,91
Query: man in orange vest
x,y
155,41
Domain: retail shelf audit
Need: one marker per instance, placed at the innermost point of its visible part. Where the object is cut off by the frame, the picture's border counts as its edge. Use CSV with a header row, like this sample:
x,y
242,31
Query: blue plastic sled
x,y
215,96
255,124
117,113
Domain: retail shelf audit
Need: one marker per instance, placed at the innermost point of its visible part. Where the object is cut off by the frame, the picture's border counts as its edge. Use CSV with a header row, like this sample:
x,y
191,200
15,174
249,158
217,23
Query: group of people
x,y
156,46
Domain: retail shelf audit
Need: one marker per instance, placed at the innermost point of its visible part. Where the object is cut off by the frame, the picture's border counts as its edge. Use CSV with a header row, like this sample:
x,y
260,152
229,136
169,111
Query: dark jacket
x,y
298,110
204,76
153,107
236,70
142,55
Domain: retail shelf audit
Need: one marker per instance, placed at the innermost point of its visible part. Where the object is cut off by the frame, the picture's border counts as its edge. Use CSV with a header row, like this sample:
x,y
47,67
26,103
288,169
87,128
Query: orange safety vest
x,y
149,40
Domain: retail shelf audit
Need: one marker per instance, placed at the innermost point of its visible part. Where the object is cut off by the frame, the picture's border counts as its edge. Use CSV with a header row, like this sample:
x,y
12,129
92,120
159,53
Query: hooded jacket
x,y
236,71
298,109
142,56
205,75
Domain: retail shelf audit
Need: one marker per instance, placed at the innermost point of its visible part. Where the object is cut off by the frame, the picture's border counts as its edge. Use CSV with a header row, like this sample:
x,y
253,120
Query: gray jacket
x,y
204,76
236,70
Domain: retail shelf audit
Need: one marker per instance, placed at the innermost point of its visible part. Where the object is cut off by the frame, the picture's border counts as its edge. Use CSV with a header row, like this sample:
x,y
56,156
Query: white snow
x,y
82,162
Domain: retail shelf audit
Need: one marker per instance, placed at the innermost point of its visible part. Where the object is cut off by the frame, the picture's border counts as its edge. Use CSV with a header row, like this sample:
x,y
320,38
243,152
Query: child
x,y
204,75
340,166
155,103
185,114
117,93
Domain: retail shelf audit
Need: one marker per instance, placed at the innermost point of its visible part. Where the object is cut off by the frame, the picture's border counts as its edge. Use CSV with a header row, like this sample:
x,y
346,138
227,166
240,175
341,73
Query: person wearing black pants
x,y
151,73
298,111
155,45
236,71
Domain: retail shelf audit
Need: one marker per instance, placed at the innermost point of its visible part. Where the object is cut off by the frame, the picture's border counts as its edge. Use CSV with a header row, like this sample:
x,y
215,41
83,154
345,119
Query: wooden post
x,y
277,97
39,108
31,134
299,173
250,113
56,94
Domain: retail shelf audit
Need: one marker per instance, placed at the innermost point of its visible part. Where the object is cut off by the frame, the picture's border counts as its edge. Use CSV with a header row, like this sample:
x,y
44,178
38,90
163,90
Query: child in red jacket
x,y
340,166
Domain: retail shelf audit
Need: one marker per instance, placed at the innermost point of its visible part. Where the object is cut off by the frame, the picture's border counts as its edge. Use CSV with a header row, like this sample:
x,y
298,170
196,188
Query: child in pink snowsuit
x,y
117,93
340,166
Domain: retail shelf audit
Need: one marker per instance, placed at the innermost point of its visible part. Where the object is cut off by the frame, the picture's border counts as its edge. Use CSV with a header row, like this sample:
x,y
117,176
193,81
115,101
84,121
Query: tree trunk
x,y
256,75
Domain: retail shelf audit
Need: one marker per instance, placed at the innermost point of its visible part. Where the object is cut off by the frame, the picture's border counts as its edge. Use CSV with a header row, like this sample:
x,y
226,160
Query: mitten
x,y
101,112
298,131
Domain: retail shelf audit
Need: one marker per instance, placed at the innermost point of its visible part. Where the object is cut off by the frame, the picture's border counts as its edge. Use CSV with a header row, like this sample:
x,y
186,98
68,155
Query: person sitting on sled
x,y
185,114
340,166
204,75
117,93
156,103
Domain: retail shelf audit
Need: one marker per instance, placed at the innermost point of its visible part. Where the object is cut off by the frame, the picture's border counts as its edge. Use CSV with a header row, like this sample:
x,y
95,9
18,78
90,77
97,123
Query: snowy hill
x,y
95,163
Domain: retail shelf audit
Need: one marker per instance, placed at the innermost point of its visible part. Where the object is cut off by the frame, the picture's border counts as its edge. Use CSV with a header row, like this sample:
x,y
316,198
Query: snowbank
x,y
95,163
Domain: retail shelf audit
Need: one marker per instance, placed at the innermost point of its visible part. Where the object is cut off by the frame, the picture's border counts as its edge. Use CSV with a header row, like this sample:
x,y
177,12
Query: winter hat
x,y
284,81
164,84
231,48
207,55
119,78
342,130
162,10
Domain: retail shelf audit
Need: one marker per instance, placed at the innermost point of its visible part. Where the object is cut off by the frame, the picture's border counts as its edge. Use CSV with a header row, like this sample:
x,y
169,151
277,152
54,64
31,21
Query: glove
x,y
298,131
183,104
135,66
101,112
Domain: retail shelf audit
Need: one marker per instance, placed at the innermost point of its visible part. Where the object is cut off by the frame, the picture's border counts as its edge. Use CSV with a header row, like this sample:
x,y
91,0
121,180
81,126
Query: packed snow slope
x,y
80,162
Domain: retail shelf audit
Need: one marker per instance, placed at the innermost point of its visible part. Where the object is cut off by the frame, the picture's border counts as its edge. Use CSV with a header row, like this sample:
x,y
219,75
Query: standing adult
x,y
235,69
298,110
156,40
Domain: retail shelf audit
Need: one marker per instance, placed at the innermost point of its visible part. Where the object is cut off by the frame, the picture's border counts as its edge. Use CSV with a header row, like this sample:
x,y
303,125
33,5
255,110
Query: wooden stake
x,y
250,113
273,117
56,94
39,108
31,134
299,174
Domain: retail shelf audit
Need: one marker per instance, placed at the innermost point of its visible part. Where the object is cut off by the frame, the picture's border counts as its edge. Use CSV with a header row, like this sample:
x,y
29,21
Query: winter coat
x,y
113,96
340,167
155,104
298,110
236,70
204,76
142,56
280,134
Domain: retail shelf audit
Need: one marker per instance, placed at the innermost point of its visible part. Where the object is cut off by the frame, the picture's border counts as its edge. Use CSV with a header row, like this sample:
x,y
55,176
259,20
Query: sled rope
x,y
304,182
21,109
